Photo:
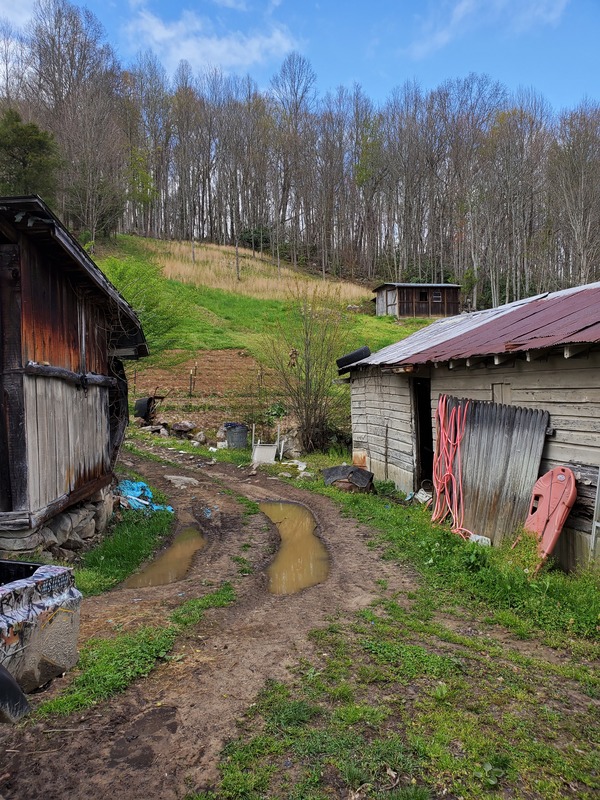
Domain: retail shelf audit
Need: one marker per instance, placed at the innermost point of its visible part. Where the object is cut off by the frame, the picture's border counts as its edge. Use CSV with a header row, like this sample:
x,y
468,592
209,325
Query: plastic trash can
x,y
236,435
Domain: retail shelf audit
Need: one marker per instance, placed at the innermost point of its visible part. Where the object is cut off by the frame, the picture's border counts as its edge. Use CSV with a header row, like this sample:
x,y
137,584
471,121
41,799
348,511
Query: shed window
x,y
423,296
437,296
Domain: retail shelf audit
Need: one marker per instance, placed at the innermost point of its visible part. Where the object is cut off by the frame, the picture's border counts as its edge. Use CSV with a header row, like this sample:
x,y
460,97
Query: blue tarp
x,y
139,496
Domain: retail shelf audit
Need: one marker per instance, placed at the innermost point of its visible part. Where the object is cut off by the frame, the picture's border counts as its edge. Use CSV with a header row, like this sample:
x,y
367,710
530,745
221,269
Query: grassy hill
x,y
194,305
201,305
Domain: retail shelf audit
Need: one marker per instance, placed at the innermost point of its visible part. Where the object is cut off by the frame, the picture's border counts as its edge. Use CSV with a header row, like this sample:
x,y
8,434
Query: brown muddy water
x,y
173,564
302,559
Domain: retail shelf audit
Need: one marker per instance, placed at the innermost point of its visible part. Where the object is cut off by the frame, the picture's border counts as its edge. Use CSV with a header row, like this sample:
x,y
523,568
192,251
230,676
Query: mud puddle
x,y
302,559
173,564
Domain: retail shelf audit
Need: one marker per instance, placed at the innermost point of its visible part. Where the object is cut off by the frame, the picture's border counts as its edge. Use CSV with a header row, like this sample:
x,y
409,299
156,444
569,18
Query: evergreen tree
x,y
28,158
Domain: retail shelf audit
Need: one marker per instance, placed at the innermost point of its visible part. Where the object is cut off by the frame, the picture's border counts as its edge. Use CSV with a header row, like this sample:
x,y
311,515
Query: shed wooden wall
x,y
68,438
382,426
404,301
569,389
60,325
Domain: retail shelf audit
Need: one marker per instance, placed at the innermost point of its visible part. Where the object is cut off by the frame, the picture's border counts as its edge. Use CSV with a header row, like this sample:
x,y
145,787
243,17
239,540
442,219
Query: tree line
x,y
463,183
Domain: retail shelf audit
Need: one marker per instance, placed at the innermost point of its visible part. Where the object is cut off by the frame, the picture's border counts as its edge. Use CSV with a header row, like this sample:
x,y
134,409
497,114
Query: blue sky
x,y
550,45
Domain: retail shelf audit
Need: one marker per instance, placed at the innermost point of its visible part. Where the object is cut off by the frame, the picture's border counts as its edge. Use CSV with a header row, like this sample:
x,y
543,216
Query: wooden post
x,y
13,452
191,382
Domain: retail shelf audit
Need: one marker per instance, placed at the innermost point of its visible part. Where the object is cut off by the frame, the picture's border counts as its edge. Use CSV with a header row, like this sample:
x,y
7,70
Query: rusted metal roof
x,y
568,317
31,217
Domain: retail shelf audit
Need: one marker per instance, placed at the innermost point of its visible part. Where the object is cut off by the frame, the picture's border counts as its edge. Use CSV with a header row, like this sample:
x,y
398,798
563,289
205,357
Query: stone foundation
x,y
66,534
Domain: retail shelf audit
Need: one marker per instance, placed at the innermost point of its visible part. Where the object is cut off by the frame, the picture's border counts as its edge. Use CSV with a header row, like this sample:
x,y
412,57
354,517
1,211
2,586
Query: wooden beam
x,y
499,359
14,494
536,355
48,371
474,361
573,350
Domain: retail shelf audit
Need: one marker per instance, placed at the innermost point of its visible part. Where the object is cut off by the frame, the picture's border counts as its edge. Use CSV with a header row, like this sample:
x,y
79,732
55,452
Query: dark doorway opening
x,y
424,430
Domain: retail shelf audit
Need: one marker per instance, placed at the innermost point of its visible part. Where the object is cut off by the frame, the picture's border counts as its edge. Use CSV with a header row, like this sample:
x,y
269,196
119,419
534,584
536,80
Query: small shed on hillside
x,y
63,332
417,299
541,353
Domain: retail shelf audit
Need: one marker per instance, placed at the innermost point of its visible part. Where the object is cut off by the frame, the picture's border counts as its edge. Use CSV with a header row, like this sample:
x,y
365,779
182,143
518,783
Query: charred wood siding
x,y
61,325
13,472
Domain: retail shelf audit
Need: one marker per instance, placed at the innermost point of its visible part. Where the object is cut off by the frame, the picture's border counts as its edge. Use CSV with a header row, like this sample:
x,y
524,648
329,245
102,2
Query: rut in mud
x,y
162,737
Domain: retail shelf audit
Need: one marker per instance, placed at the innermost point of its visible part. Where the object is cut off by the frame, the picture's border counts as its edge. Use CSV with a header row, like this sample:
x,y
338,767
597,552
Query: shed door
x,y
421,392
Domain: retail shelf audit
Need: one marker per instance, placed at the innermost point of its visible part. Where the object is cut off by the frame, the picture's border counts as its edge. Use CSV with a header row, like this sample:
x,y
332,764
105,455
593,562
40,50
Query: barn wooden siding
x,y
67,438
569,389
56,388
382,426
61,325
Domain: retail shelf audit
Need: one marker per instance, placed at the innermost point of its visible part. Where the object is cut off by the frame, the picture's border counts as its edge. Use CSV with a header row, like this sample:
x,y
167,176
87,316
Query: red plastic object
x,y
553,497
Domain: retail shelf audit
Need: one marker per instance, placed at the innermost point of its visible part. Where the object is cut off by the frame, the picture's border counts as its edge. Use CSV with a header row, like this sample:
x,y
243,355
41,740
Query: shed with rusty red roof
x,y
542,352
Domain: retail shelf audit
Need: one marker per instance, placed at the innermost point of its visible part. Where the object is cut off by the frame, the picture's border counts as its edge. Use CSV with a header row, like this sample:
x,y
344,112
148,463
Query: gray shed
x,y
539,353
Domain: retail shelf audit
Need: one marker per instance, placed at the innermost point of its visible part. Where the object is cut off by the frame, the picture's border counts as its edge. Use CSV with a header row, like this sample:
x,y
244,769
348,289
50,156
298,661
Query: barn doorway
x,y
421,391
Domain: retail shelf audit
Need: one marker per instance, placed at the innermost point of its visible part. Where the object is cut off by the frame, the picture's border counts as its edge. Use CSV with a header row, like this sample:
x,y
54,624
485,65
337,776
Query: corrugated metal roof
x,y
418,285
571,316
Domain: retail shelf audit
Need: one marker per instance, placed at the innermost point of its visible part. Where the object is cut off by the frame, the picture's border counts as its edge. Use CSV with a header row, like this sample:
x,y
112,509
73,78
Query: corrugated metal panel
x,y
571,316
501,453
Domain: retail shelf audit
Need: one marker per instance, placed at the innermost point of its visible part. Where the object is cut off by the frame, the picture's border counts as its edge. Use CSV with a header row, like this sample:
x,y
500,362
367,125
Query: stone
x,y
103,512
221,433
15,543
185,426
139,421
87,530
163,432
60,554
74,542
199,437
285,475
181,481
48,537
61,526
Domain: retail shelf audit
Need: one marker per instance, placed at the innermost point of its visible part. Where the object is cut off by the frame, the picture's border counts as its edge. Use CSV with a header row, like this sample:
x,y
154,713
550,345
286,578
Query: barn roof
x,y
31,217
418,285
567,318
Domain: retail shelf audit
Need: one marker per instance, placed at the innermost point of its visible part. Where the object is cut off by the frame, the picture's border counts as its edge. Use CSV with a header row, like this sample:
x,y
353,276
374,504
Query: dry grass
x,y
215,266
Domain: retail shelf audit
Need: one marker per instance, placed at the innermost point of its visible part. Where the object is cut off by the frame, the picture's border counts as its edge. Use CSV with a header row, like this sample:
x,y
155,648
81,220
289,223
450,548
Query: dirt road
x,y
161,738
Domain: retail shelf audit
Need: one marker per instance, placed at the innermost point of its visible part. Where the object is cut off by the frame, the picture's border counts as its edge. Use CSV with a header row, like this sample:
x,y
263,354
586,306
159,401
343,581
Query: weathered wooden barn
x,y
417,299
540,353
64,330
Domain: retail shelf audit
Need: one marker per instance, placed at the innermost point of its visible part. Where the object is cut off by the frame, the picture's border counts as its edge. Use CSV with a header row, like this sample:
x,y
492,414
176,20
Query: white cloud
x,y
18,14
236,5
196,39
451,19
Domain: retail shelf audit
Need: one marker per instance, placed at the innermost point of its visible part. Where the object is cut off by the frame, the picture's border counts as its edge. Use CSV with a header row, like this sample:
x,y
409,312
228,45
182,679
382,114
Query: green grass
x,y
130,542
108,666
497,579
190,318
432,712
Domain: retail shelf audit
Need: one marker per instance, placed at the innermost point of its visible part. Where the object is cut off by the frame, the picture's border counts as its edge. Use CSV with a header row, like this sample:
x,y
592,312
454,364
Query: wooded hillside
x,y
462,183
